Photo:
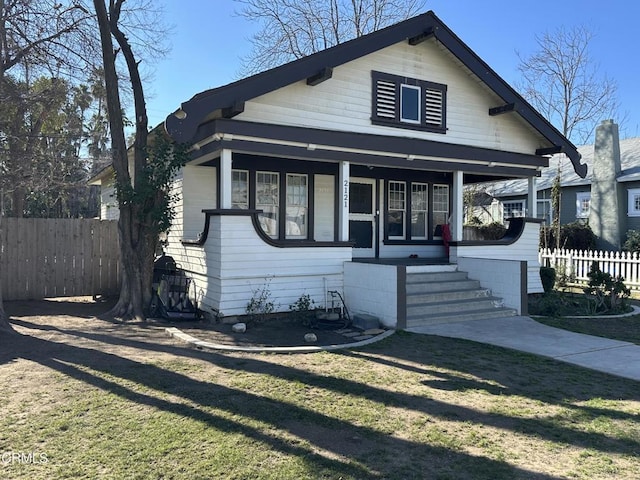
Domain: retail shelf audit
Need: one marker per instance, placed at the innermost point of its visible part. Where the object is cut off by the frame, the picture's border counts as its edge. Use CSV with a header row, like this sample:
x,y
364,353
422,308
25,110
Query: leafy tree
x,y
39,36
143,193
292,29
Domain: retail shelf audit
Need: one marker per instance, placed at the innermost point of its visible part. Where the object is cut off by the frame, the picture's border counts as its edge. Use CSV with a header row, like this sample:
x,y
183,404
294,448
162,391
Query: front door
x,y
362,216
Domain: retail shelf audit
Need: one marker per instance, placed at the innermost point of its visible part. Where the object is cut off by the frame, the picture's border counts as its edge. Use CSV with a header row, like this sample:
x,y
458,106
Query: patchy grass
x,y
112,402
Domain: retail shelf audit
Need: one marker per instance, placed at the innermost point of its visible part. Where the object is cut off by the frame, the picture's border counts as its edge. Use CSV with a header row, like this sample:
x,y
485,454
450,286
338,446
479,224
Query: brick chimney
x,y
607,215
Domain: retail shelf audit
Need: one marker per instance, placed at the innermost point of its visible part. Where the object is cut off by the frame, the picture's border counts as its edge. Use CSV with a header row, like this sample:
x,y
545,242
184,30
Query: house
x,y
105,179
608,198
337,172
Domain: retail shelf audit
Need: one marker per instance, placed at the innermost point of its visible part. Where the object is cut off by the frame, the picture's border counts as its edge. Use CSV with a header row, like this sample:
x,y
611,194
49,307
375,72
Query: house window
x,y
408,103
440,205
397,210
297,205
583,202
240,189
634,202
267,200
513,209
544,211
419,205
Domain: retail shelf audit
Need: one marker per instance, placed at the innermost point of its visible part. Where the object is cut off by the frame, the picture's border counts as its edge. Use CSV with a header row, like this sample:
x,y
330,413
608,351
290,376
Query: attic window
x,y
408,103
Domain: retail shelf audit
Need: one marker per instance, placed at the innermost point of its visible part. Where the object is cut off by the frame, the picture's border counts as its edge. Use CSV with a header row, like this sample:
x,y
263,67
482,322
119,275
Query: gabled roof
x,y
629,162
183,124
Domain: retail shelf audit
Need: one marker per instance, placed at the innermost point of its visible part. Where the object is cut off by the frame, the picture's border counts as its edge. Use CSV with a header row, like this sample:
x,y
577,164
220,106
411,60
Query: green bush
x,y
573,236
632,244
492,231
548,278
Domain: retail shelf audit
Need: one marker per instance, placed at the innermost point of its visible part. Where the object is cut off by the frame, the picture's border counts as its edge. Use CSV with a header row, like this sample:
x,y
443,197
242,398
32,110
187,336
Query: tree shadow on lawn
x,y
352,450
369,449
357,451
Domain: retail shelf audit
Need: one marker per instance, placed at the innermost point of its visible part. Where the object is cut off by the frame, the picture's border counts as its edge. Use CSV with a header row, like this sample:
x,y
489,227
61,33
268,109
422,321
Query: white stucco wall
x,y
372,289
502,277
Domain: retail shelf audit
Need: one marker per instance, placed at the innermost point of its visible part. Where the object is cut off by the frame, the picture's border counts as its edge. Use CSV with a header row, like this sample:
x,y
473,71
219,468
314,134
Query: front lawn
x,y
90,399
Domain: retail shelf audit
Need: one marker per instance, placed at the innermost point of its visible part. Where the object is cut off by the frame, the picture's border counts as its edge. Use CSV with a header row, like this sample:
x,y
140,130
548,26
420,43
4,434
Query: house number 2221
x,y
345,194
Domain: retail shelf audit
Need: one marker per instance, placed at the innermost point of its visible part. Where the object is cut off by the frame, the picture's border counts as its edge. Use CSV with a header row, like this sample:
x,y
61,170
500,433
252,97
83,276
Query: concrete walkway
x,y
527,335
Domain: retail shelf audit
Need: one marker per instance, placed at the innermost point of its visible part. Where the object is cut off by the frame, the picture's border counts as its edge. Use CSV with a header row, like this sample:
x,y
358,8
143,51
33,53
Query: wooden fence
x,y
575,264
42,258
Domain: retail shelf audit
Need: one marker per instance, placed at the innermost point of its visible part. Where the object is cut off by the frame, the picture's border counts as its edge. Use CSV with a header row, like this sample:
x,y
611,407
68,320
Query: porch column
x,y
225,178
343,204
457,207
532,199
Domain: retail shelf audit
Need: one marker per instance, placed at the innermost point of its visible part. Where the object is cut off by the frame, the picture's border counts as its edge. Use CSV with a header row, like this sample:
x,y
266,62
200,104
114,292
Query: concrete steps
x,y
449,296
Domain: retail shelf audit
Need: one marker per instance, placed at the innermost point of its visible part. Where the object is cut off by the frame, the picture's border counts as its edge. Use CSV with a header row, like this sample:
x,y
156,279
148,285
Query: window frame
x,y
523,209
305,230
259,206
580,198
447,212
386,102
395,210
424,211
632,211
247,180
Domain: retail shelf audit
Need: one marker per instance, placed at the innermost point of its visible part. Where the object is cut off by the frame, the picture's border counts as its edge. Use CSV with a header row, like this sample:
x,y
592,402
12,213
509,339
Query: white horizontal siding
x,y
235,264
344,101
108,201
199,191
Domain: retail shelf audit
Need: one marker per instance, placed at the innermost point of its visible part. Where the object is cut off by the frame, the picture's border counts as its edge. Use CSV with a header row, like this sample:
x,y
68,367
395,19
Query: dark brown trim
x,y
509,107
401,293
202,238
360,141
418,39
324,74
513,234
182,125
524,286
549,151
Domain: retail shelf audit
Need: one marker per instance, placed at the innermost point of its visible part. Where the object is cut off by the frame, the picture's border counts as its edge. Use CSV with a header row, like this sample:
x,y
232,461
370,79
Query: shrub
x,y
632,244
573,236
548,278
606,292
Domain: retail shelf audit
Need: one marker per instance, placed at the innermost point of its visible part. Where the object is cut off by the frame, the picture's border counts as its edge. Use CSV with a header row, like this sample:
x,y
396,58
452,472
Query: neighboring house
x,y
613,164
105,178
337,172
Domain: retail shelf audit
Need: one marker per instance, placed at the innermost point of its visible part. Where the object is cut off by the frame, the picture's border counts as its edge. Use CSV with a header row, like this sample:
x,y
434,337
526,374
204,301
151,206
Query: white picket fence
x,y
577,263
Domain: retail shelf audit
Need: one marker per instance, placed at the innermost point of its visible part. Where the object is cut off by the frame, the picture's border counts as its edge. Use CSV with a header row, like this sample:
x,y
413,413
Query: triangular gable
x,y
229,99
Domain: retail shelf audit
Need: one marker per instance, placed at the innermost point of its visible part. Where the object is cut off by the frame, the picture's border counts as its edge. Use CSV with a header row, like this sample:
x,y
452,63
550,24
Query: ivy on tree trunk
x,y
144,197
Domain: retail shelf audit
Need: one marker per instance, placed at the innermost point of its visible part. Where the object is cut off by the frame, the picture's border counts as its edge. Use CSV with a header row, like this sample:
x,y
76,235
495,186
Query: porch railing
x,y
575,264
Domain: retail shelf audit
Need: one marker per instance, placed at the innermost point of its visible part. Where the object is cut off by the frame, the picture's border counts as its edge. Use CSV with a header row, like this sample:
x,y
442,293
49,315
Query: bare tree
x,y
142,193
564,83
292,29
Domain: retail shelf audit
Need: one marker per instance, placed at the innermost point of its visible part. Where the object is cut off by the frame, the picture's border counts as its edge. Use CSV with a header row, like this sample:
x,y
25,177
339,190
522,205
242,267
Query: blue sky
x,y
209,38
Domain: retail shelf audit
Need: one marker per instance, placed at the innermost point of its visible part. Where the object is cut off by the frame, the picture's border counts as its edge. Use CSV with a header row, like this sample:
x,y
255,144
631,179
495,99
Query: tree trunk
x,y
136,226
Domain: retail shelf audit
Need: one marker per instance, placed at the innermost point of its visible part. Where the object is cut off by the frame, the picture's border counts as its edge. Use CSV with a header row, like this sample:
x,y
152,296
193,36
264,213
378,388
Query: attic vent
x,y
422,105
433,110
386,99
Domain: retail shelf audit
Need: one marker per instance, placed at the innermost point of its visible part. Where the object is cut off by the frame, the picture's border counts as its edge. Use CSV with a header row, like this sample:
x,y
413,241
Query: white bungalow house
x,y
337,172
